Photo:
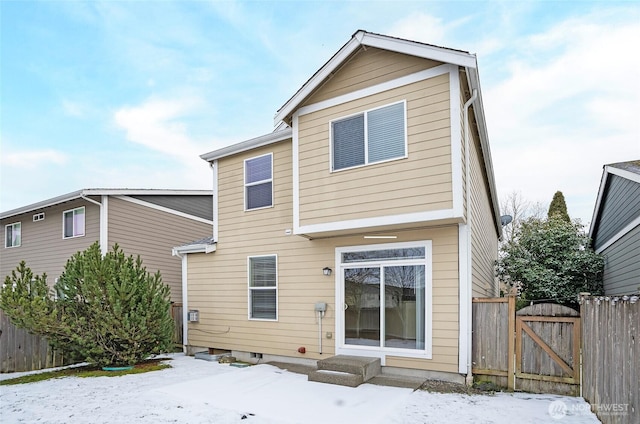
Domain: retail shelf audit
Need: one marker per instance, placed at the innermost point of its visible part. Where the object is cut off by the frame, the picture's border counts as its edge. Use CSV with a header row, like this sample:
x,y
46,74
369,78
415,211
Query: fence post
x,y
511,377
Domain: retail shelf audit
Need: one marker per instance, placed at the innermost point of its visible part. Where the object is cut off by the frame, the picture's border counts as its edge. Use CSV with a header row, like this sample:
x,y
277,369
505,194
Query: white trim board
x,y
163,209
377,351
633,224
456,143
375,221
603,183
463,287
378,88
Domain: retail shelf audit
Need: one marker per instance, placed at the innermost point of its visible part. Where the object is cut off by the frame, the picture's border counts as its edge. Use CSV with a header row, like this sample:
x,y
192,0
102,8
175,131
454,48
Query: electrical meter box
x,y
321,307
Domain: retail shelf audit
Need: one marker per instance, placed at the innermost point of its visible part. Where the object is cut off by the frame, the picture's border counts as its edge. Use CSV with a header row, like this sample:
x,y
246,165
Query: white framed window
x,y
13,235
263,287
38,217
385,293
73,222
373,136
258,182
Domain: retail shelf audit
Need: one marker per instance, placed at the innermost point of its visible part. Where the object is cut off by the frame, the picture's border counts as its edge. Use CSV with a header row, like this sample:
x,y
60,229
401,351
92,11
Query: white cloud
x,y
32,159
565,109
157,125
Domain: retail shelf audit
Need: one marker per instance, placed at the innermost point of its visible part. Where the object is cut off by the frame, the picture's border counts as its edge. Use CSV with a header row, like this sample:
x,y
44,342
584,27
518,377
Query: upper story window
x,y
263,287
13,235
372,136
73,223
258,182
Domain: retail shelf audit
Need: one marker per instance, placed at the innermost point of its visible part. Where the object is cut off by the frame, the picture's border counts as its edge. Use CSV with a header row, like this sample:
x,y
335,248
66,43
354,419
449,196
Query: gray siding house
x,y
615,227
143,222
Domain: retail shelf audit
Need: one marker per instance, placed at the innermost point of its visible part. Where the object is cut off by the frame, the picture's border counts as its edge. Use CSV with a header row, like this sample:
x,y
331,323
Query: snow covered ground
x,y
195,391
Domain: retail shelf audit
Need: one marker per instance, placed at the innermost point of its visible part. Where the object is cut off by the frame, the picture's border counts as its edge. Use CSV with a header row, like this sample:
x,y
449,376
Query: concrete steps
x,y
346,370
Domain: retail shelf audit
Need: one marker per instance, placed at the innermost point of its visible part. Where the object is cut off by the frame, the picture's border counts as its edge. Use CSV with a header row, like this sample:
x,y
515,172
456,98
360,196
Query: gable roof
x,y
625,175
361,39
368,39
101,192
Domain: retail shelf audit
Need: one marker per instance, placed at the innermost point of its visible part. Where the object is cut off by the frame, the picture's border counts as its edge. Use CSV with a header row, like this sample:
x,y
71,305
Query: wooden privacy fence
x,y
611,357
536,349
21,351
176,314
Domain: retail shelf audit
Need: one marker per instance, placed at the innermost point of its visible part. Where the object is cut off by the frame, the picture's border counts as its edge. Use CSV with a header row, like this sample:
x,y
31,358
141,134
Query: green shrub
x,y
107,310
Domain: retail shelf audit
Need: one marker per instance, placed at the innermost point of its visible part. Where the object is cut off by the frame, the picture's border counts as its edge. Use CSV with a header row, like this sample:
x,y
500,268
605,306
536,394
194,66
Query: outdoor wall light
x,y
326,271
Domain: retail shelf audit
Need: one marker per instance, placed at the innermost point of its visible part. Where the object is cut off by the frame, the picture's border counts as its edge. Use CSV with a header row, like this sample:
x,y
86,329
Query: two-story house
x,y
363,225
143,222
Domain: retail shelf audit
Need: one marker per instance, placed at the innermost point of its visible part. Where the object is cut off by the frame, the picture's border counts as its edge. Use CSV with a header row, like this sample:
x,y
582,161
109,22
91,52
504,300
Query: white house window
x,y
373,136
386,295
263,287
13,235
258,182
73,223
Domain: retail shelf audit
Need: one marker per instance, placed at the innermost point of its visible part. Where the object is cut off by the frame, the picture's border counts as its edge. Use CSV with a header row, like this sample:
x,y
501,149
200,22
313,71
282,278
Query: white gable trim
x,y
596,209
362,38
414,48
378,88
623,173
603,183
324,72
163,209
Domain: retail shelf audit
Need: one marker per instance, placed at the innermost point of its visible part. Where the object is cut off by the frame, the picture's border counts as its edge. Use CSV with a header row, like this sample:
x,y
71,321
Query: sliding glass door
x,y
384,298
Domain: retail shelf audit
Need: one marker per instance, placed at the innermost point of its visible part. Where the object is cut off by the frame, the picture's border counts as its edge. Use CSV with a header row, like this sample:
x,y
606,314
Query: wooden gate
x,y
536,349
547,351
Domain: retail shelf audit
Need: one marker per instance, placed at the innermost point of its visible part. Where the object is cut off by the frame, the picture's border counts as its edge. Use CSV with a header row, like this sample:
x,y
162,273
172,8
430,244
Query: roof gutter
x,y
263,140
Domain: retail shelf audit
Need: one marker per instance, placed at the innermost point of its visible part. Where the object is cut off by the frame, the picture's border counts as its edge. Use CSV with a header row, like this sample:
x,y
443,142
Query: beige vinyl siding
x,y
484,238
369,67
421,182
151,233
43,247
218,282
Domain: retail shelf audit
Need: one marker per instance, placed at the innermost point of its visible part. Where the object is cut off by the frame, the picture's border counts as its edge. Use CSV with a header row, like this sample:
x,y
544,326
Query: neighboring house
x,y
374,196
615,227
143,222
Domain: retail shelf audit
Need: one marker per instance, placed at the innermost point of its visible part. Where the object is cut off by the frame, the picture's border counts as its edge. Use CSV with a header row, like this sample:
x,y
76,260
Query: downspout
x,y
474,96
103,221
185,311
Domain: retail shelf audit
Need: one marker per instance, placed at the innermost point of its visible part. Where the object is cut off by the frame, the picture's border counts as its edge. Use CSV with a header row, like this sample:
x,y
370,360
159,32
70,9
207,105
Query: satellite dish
x,y
505,219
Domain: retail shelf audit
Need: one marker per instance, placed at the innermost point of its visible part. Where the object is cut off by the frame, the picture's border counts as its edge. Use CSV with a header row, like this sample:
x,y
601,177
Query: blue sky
x,y
128,94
